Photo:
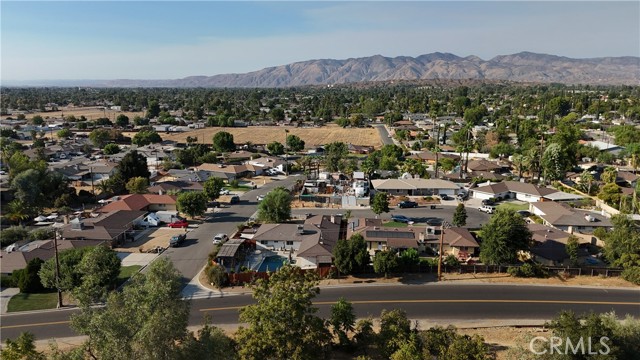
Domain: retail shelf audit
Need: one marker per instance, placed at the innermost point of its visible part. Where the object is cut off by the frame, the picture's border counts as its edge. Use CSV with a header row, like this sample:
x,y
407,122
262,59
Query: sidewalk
x,y
5,296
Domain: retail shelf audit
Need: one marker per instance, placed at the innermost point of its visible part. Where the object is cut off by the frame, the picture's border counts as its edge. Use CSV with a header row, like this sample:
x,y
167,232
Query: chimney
x,y
333,219
160,192
300,230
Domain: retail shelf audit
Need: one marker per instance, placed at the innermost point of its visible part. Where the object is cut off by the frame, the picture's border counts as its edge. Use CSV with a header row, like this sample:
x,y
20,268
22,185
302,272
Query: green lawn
x,y
514,206
239,188
126,272
28,302
395,224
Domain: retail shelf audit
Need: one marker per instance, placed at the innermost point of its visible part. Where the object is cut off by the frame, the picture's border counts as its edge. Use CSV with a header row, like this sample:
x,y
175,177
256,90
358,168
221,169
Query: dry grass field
x,y
267,134
91,113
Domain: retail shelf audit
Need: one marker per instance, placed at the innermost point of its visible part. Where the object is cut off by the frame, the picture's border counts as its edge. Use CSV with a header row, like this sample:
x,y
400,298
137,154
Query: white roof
x,y
560,196
412,184
601,145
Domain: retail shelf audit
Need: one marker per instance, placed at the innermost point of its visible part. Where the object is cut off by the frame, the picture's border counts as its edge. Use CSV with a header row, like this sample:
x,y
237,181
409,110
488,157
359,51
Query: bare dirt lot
x,y
153,238
267,134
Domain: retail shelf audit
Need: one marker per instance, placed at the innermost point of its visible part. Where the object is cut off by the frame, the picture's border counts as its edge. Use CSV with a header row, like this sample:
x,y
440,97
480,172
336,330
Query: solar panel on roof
x,y
390,234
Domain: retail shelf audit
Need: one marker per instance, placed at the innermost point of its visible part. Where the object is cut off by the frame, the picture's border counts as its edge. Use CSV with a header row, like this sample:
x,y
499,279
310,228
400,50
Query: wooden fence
x,y
236,279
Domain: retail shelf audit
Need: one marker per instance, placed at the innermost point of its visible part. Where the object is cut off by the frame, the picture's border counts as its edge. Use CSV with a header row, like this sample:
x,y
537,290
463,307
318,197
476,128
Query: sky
x,y
73,40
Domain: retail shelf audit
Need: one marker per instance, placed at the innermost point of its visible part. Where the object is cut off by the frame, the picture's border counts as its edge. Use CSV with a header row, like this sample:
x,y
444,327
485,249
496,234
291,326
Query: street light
x,y
442,227
55,251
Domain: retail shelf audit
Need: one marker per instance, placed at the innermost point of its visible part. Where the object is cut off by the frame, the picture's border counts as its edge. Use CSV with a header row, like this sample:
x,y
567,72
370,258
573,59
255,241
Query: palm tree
x,y
17,212
520,162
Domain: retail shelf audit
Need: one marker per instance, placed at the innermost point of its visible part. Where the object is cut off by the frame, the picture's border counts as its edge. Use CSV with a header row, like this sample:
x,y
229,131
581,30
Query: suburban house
x,y
565,218
312,253
483,166
459,242
265,163
549,246
113,227
430,157
140,202
380,238
83,171
521,191
626,178
359,149
230,172
179,186
42,249
311,243
605,146
415,187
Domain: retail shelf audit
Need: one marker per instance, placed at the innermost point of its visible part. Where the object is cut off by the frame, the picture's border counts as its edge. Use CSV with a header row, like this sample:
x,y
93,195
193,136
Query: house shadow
x,y
418,279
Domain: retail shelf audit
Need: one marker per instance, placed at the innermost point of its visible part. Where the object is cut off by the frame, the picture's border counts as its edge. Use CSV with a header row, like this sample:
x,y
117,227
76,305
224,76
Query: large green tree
x,y
137,185
343,320
275,148
223,142
192,203
212,187
282,324
460,216
99,270
133,164
334,154
294,143
385,262
147,320
70,276
275,207
146,137
351,255
380,203
503,236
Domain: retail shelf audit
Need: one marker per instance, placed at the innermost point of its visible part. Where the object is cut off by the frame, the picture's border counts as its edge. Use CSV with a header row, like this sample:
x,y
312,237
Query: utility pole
x,y
286,156
55,247
437,149
440,252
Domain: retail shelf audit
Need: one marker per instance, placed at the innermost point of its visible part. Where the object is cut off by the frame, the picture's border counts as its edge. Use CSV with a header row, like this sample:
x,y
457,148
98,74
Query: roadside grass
x,y
126,272
395,224
239,188
29,302
514,206
49,300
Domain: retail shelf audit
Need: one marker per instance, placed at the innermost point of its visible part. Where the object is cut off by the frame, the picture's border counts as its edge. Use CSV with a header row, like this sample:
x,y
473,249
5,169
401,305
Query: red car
x,y
179,224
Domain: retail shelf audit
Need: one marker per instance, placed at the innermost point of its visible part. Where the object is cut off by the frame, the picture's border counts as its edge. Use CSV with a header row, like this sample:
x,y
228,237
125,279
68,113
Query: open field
x,y
91,113
267,134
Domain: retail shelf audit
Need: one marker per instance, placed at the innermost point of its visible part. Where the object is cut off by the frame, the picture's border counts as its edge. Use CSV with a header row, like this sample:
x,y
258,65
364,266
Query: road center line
x,y
461,301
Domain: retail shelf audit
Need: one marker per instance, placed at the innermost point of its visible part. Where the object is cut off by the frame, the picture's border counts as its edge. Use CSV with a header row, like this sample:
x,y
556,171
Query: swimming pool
x,y
272,263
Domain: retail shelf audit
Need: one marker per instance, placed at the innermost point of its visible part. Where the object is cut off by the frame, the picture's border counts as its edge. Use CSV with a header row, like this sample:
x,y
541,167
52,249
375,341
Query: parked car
x,y
434,221
402,219
177,240
445,197
489,209
234,199
260,197
213,204
524,213
220,239
407,204
488,202
225,192
181,223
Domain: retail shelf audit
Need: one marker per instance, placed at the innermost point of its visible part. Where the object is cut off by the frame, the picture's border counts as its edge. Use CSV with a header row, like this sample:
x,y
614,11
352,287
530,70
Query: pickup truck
x,y
177,240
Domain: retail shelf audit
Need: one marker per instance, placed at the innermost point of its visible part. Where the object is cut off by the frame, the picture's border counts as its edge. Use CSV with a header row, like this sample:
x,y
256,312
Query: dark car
x,y
524,213
488,202
177,240
213,204
234,199
401,218
407,204
445,197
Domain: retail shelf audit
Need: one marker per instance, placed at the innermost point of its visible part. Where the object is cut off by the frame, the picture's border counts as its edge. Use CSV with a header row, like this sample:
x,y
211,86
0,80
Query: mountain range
x,y
520,67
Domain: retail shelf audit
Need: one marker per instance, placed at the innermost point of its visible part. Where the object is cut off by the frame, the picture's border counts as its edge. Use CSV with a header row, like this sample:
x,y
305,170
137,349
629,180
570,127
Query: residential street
x,y
192,255
441,303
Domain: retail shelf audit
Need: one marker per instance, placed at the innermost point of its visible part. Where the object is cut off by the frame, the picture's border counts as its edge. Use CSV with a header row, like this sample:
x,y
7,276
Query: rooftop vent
x,y
300,230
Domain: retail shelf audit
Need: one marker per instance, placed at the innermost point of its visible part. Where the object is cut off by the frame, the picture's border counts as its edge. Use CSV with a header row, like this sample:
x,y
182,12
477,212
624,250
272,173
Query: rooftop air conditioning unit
x,y
300,230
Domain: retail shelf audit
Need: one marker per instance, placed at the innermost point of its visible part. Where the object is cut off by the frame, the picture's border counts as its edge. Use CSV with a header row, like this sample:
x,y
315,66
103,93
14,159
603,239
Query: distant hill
x,y
520,67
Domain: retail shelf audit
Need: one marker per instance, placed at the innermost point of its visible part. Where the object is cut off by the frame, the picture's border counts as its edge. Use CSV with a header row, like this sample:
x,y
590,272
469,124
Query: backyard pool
x,y
272,263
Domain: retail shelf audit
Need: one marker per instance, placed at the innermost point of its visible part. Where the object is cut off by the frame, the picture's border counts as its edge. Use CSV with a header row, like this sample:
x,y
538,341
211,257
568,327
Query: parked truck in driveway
x,y
160,217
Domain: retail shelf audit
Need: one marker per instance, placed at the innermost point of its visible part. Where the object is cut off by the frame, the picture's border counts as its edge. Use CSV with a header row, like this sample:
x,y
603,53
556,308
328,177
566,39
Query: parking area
x,y
151,239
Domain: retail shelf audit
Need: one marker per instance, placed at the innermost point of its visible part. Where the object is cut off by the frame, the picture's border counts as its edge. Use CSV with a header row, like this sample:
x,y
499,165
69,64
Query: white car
x,y
220,238
260,198
489,209
225,192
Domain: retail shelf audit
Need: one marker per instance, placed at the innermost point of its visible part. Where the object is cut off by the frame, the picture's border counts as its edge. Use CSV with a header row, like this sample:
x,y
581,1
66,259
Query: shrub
x,y
28,278
451,260
428,198
216,275
8,281
528,270
234,183
632,274
13,234
41,234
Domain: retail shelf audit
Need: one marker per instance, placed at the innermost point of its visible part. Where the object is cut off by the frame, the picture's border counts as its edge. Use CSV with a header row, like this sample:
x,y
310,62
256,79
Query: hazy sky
x,y
167,40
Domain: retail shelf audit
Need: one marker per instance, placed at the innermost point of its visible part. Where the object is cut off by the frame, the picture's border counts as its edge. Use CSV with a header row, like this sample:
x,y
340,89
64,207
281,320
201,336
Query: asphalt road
x,y
424,301
475,218
191,257
384,135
